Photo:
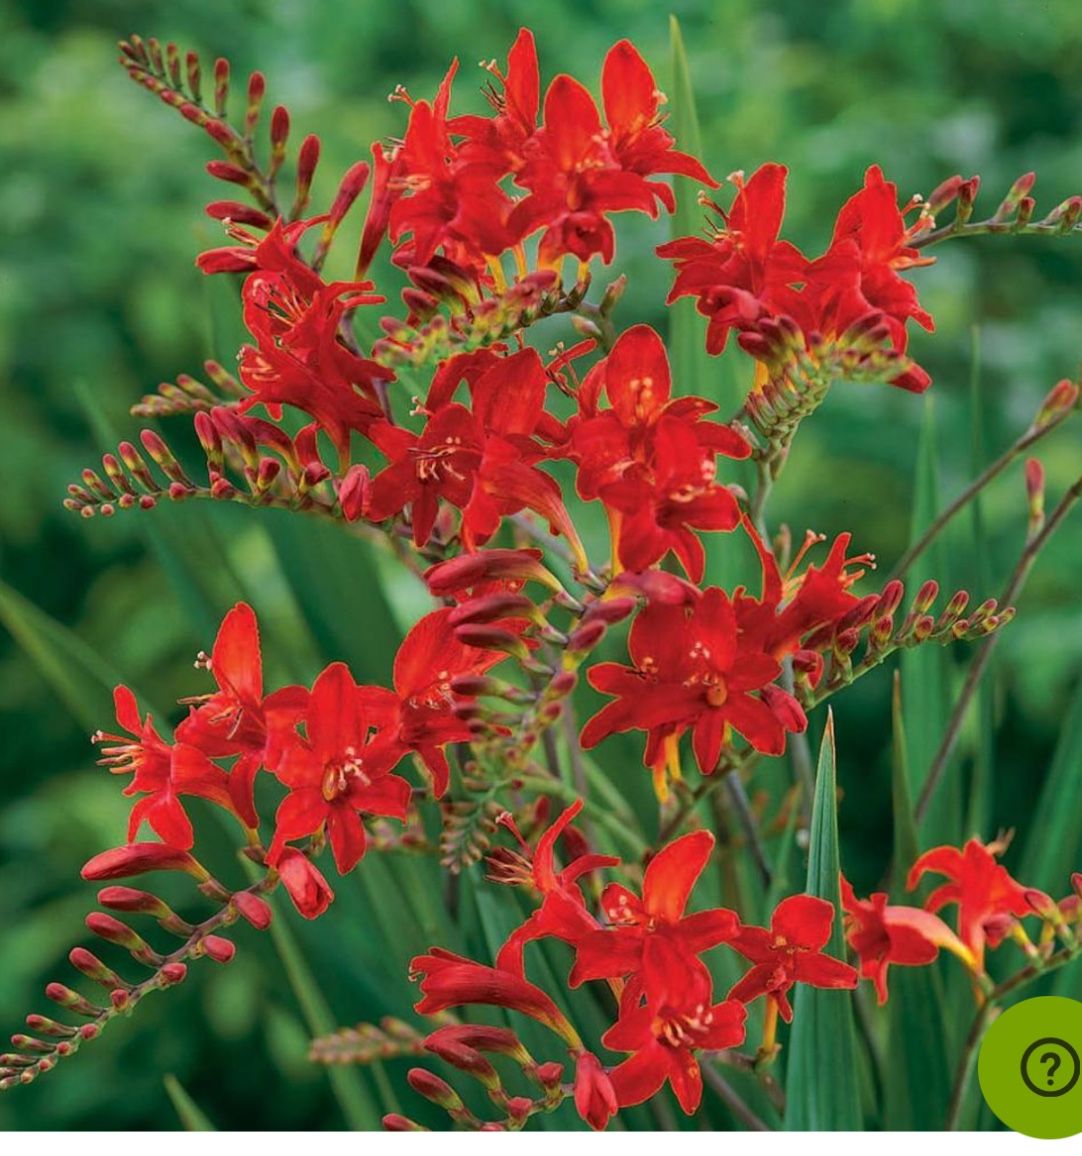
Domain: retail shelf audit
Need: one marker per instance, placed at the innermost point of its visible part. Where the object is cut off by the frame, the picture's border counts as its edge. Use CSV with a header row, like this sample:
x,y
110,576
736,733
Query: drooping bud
x,y
89,965
254,909
72,1001
113,931
493,638
310,892
396,1123
219,949
138,858
143,903
468,570
492,607
433,1088
595,1097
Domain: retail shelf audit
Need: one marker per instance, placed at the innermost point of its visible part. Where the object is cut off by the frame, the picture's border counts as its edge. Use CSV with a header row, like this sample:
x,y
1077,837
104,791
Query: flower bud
x,y
48,1027
548,1075
492,638
1060,400
433,1088
89,965
595,1097
943,195
926,595
310,892
113,931
72,1001
585,638
219,949
396,1123
172,973
254,909
492,607
468,570
221,85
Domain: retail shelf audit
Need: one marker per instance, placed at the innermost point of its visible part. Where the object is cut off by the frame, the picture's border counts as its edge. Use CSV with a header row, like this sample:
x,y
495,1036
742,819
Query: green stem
x,y
1013,588
1029,438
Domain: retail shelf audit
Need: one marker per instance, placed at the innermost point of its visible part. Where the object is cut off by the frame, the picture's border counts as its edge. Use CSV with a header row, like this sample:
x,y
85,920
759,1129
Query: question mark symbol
x,y
1053,1061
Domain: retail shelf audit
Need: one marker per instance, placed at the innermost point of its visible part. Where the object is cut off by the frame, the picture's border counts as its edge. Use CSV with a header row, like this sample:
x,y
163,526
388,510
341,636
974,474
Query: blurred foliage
x,y
100,218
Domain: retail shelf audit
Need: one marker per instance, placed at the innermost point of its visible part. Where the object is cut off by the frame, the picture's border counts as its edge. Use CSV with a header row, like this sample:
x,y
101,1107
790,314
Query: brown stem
x,y
728,1095
1029,438
980,663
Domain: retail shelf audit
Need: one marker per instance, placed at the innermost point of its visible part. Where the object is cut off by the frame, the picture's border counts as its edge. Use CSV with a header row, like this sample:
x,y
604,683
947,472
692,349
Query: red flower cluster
x,y
991,905
709,664
334,747
648,948
443,191
746,275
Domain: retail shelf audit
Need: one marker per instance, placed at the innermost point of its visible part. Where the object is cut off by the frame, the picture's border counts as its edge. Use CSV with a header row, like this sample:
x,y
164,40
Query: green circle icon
x,y
1029,1067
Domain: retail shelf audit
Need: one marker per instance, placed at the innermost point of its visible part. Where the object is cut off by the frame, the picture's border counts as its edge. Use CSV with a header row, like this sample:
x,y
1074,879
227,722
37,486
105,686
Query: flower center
x,y
337,775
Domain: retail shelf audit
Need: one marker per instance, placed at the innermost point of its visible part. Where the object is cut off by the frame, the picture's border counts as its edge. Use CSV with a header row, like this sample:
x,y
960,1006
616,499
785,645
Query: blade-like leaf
x,y
1054,847
925,670
918,1084
80,677
192,1117
821,1084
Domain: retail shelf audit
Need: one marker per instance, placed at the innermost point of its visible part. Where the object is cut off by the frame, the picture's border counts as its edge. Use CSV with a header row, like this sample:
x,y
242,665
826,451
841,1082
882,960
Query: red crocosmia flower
x,y
638,141
882,934
449,980
692,671
595,1097
790,952
563,913
664,1033
871,225
337,772
303,880
793,606
418,715
657,509
989,901
160,772
298,357
625,949
453,203
441,462
745,272
236,719
577,170
498,141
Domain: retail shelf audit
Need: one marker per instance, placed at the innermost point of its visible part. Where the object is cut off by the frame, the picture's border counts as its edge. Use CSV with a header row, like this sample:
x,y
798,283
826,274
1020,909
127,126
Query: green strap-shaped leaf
x,y
821,1083
80,677
192,1117
1054,846
350,1090
919,1077
925,671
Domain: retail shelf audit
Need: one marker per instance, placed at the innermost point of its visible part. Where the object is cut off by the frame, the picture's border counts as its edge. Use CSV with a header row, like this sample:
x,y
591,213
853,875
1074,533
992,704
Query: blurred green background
x,y
100,219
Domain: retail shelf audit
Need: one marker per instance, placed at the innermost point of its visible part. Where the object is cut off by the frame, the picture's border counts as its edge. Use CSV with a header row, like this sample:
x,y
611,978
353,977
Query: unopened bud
x,y
923,627
396,1123
926,595
468,570
549,1075
610,610
138,858
219,949
1035,494
967,196
221,85
353,491
89,965
492,607
492,638
255,910
1060,400
173,973
72,1000
433,1088
584,638
943,195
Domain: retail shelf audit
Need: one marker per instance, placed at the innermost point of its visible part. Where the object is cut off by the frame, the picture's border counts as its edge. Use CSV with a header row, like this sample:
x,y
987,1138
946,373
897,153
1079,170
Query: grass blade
x,y
917,1090
192,1117
823,1040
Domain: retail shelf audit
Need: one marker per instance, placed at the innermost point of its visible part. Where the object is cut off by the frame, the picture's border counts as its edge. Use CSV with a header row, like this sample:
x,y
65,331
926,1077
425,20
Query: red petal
x,y
804,920
672,873
235,659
